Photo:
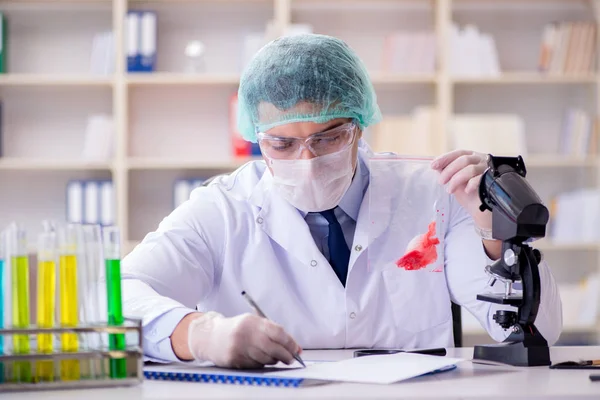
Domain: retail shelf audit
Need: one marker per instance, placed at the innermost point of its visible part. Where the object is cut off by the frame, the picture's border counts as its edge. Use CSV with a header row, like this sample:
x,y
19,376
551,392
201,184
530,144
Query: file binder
x,y
132,27
103,53
107,204
239,146
74,202
91,203
141,28
255,149
182,190
148,41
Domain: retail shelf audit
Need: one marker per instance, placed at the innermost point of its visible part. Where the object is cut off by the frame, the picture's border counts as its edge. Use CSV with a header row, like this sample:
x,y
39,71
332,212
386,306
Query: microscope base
x,y
513,353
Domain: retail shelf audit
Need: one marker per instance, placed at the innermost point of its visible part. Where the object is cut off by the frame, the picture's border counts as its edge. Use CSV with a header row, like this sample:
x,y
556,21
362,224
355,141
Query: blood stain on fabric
x,y
421,251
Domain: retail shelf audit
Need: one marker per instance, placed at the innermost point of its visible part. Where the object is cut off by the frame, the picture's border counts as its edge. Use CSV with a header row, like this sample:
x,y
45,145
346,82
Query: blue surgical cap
x,y
307,77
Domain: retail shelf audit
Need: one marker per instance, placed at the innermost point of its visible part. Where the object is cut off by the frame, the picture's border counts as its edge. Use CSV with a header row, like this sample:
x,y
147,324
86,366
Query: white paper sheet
x,y
382,369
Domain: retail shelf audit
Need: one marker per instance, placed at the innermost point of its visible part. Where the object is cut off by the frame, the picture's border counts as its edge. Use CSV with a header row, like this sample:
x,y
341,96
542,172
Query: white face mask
x,y
316,184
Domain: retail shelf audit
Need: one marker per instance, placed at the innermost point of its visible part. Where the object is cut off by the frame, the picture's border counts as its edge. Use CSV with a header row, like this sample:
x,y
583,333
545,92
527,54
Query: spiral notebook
x,y
184,373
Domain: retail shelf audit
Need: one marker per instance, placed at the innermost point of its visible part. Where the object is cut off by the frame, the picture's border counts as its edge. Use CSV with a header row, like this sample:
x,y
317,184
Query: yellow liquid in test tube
x,y
70,369
20,314
46,301
46,296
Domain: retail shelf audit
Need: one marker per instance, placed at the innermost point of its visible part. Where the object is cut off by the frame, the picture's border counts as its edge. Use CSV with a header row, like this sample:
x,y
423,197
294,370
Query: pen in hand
x,y
261,314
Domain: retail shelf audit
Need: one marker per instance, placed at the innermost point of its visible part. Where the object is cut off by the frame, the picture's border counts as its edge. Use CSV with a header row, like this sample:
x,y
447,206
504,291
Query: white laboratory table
x,y
467,381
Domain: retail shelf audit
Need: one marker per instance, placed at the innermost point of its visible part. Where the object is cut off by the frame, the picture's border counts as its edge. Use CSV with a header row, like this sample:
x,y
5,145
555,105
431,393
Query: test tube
x,y
112,254
83,299
17,248
7,301
2,290
68,241
95,290
46,301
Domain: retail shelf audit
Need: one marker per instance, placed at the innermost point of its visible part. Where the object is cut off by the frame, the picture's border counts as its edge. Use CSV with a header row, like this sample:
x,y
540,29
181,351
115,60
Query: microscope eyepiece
x,y
520,212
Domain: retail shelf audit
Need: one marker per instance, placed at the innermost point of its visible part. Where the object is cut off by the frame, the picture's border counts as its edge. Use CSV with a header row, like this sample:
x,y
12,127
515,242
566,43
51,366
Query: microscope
x,y
518,218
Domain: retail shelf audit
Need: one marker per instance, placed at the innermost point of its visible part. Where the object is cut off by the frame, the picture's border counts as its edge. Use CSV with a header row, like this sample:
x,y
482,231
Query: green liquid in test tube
x,y
112,254
20,299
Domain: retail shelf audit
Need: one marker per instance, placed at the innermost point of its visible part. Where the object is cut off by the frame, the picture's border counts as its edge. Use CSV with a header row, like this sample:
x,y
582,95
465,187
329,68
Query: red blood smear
x,y
424,254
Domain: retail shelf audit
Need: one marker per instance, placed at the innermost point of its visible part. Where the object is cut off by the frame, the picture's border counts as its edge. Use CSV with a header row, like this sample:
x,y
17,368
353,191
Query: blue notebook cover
x,y
228,377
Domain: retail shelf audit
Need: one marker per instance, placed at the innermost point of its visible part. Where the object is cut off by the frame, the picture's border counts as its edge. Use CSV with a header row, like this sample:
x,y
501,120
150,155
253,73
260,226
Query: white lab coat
x,y
239,234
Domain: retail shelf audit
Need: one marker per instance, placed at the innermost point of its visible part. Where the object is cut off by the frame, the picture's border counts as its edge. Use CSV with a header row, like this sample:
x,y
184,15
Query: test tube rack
x,y
133,354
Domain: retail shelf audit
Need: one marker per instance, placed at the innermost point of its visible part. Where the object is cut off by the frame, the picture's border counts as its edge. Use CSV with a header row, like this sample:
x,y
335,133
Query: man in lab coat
x,y
304,234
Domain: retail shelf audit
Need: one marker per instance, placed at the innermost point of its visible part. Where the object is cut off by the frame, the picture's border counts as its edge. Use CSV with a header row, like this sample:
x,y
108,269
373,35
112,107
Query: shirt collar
x,y
353,197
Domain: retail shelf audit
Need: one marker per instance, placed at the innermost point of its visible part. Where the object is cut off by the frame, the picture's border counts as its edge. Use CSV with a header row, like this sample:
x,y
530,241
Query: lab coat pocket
x,y
419,299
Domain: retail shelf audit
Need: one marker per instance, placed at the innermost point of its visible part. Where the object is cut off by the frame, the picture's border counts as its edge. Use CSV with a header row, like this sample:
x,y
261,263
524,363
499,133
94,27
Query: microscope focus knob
x,y
538,255
510,258
505,318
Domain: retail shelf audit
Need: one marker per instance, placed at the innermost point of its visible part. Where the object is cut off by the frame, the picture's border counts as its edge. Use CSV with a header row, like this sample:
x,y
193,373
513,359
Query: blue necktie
x,y
338,249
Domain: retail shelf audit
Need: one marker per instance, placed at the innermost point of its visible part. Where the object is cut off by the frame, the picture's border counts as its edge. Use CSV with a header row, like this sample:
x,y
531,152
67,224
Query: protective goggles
x,y
319,144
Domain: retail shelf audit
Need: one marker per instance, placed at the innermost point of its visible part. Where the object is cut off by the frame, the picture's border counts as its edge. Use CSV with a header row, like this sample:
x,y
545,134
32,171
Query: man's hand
x,y
462,170
244,341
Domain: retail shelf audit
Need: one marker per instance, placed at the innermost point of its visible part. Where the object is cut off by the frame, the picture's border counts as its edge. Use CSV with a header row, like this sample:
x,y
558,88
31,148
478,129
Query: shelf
x,y
579,329
362,5
54,80
29,4
525,78
26,164
547,245
520,5
172,164
196,1
380,79
57,1
551,160
167,78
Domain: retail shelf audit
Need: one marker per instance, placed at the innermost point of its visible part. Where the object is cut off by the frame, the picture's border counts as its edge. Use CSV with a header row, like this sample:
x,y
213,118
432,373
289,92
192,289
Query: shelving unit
x,y
548,246
553,161
53,80
173,164
527,79
173,124
25,164
165,78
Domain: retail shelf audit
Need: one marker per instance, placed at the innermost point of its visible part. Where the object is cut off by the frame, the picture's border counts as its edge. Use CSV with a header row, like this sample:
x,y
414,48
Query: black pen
x,y
374,352
260,313
585,364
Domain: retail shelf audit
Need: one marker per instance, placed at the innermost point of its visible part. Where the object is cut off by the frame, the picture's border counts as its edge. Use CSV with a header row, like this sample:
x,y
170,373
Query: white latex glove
x,y
244,341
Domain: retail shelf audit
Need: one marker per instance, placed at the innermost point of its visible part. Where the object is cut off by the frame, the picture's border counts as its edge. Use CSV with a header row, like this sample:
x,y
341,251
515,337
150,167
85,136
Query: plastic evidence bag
x,y
408,215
